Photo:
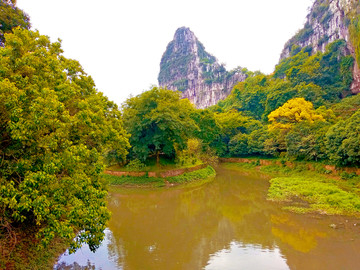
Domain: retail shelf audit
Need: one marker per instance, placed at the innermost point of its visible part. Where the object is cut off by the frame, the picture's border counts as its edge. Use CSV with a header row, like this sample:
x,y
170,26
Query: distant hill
x,y
187,67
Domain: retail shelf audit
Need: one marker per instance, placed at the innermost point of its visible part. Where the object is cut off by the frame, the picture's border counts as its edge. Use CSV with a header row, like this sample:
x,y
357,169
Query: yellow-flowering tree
x,y
292,112
283,119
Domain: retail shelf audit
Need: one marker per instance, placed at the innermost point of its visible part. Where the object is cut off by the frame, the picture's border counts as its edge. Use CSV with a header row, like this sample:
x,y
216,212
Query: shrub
x,y
135,165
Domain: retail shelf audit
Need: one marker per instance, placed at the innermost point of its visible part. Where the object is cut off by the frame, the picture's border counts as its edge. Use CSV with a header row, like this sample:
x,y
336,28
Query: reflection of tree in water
x,y
308,242
156,234
294,234
181,228
116,252
243,214
75,266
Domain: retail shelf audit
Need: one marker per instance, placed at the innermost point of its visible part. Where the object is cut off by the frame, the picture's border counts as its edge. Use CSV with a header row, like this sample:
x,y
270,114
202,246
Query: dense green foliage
x,y
191,154
56,130
158,121
10,17
289,113
343,141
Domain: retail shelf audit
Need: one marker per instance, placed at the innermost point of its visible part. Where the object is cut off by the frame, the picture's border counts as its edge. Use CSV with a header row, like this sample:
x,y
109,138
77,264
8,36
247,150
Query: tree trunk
x,y
157,157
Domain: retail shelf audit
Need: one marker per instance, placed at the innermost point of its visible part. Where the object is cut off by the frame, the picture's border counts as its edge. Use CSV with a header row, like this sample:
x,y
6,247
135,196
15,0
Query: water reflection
x,y
223,224
240,256
85,259
299,238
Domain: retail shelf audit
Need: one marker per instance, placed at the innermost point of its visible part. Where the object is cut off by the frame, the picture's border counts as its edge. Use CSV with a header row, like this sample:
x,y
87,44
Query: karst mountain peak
x,y
187,67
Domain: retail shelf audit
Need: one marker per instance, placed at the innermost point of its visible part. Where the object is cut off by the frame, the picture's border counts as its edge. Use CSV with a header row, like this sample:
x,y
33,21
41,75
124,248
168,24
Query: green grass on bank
x,y
145,181
304,190
191,176
321,194
151,166
240,166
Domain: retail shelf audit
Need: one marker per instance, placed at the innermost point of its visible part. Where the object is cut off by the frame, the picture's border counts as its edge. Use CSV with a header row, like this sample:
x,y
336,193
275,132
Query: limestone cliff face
x,y
327,21
187,67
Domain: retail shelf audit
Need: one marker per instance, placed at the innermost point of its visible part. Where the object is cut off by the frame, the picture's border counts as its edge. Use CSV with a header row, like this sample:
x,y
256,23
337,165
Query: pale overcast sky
x,y
120,43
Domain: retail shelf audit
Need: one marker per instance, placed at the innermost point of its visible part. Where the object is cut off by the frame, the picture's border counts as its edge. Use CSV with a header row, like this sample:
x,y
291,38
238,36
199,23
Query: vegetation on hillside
x,y
297,112
304,111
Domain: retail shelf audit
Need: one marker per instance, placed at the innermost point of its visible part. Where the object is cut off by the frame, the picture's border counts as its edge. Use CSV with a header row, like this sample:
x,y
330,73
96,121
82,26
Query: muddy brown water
x,y
223,224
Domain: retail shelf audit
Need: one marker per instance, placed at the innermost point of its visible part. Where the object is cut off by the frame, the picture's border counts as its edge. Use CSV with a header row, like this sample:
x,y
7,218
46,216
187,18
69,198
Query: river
x,y
222,224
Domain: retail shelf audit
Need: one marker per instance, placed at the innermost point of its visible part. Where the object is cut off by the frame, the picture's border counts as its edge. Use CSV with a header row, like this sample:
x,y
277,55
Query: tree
x,y
251,95
236,132
306,140
293,111
191,154
280,91
208,131
230,123
283,119
11,17
157,120
55,130
238,145
343,141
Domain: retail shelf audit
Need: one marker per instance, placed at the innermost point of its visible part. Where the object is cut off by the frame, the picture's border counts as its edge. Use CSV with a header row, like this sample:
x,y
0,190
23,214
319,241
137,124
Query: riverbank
x,y
307,188
159,179
303,165
26,254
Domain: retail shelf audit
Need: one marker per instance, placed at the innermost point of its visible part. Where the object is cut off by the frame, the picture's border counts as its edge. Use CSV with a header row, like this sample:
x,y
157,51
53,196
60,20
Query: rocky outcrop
x,y
327,21
187,67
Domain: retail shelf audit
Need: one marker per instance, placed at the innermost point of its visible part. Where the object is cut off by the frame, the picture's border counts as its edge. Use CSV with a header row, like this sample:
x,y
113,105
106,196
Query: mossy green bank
x,y
145,181
303,191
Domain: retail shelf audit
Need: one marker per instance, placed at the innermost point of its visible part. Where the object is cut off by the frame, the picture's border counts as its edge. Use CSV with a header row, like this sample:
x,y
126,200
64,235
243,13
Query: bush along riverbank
x,y
159,179
308,187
